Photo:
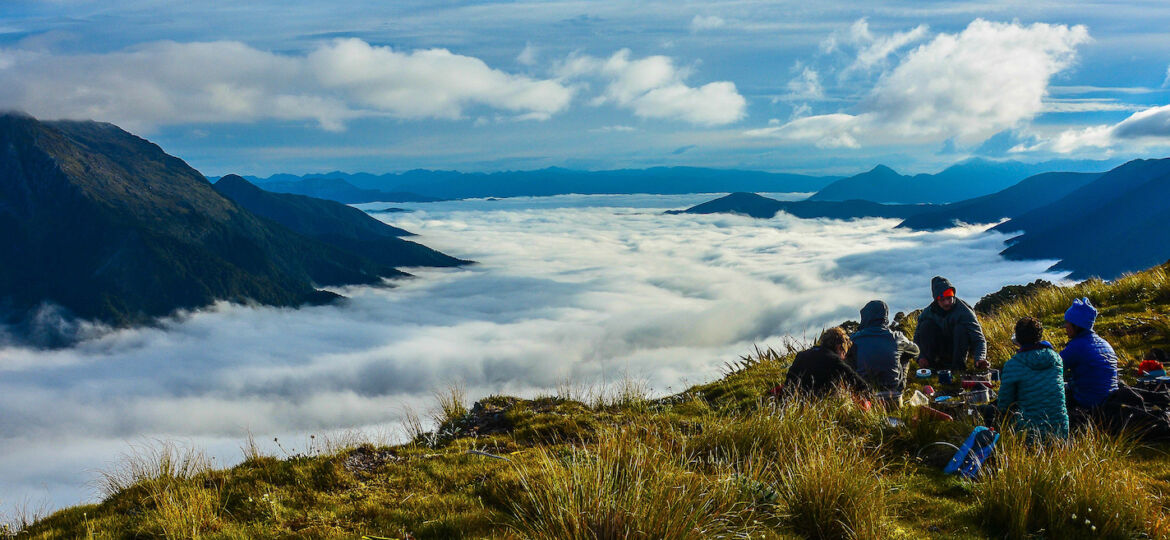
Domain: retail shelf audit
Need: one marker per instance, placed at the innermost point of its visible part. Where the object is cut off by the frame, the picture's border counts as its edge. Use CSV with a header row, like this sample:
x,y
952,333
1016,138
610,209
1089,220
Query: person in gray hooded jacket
x,y
948,331
880,354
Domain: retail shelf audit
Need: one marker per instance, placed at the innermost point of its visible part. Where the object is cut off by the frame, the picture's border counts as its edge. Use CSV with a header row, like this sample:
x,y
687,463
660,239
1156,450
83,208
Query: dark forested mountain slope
x,y
334,223
1117,223
1031,193
110,227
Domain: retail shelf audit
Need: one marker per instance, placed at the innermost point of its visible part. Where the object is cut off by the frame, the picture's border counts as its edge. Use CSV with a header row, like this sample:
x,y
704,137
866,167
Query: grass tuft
x,y
1080,488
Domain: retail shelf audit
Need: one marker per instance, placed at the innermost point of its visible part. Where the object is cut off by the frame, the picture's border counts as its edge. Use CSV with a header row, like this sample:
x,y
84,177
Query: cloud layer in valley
x,y
574,289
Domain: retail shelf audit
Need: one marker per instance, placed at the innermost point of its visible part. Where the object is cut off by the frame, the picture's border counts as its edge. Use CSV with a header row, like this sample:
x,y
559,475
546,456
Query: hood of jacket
x,y
939,285
1038,359
875,315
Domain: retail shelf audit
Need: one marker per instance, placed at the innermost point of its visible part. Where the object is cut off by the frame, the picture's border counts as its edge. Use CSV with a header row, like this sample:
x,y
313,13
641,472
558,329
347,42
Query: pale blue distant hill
x,y
961,181
545,182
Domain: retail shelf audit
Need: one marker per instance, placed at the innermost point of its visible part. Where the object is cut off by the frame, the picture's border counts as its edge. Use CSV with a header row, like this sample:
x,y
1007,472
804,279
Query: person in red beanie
x,y
948,331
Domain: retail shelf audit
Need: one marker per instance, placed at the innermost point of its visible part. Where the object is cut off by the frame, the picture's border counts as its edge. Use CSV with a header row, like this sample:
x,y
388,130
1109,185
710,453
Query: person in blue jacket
x,y
1031,384
1090,365
880,354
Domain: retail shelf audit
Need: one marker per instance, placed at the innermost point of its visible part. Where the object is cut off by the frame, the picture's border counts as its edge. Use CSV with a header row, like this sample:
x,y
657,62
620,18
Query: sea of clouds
x,y
581,291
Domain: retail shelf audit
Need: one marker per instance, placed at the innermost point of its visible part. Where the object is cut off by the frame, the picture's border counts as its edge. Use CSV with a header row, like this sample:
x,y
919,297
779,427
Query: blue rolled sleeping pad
x,y
974,451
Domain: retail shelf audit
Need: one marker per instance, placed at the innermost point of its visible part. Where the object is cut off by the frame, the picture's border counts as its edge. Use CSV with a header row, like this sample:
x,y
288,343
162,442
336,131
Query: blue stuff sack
x,y
973,453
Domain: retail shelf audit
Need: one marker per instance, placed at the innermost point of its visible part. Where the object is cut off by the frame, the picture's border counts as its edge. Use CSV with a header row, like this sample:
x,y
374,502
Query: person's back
x,y
1089,361
948,331
1032,385
881,354
819,370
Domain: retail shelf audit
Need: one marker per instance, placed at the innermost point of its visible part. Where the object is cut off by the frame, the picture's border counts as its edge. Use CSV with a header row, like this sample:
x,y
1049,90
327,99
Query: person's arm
x,y
969,339
850,377
1009,382
907,350
1072,359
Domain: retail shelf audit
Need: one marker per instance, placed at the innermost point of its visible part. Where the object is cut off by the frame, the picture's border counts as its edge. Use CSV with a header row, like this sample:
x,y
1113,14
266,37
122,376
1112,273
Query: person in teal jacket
x,y
1032,384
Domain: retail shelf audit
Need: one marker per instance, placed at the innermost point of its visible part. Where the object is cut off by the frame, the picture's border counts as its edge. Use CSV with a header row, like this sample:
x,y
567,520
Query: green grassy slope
x,y
718,460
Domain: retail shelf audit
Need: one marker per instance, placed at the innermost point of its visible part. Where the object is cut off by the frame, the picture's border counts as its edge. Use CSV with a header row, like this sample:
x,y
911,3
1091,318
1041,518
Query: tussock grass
x,y
827,478
157,462
623,487
174,486
450,404
1118,300
1085,487
719,459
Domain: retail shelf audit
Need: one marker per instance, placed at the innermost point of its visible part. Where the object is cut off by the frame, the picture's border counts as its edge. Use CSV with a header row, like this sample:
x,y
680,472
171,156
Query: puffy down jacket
x,y
1032,384
1090,366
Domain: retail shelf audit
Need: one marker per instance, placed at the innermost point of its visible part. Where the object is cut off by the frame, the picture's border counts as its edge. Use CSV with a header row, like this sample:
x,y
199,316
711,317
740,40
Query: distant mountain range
x,y
758,206
109,227
1031,193
1117,223
339,190
537,183
961,181
1095,224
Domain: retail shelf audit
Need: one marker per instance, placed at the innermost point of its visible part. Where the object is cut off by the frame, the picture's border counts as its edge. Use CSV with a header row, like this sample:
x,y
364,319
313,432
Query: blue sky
x,y
833,88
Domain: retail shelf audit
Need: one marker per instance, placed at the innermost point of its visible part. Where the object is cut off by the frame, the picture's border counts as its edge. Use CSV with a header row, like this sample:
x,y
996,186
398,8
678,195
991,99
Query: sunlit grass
x,y
720,459
1085,487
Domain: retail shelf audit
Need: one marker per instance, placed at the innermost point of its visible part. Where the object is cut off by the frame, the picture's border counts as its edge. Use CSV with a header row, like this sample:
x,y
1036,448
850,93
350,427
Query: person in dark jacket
x,y
948,331
819,370
880,354
1090,365
1032,385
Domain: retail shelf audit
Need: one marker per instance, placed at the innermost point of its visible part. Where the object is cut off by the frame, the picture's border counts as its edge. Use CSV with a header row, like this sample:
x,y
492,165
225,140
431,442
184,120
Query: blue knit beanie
x,y
1081,313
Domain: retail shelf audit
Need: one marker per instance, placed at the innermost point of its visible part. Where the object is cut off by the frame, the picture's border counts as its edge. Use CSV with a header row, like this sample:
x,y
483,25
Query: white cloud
x,y
174,83
653,87
528,55
966,86
1150,126
708,22
806,86
573,288
825,131
871,51
428,83
1052,105
614,128
1166,81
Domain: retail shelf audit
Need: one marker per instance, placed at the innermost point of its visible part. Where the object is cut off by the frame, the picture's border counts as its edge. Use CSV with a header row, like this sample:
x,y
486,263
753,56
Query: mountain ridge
x,y
551,181
1109,226
333,223
758,206
964,180
111,228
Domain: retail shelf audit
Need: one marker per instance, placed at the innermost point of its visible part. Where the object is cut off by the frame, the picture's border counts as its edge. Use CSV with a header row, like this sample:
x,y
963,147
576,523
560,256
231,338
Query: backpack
x,y
1146,412
973,453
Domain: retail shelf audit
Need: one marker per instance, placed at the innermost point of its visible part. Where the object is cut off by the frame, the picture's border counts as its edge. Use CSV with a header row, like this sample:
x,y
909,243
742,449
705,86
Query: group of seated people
x,y
1038,385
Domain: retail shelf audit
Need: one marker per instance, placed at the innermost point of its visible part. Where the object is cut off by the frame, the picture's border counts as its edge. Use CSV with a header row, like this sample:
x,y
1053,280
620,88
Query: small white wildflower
x,y
1093,528
1087,522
